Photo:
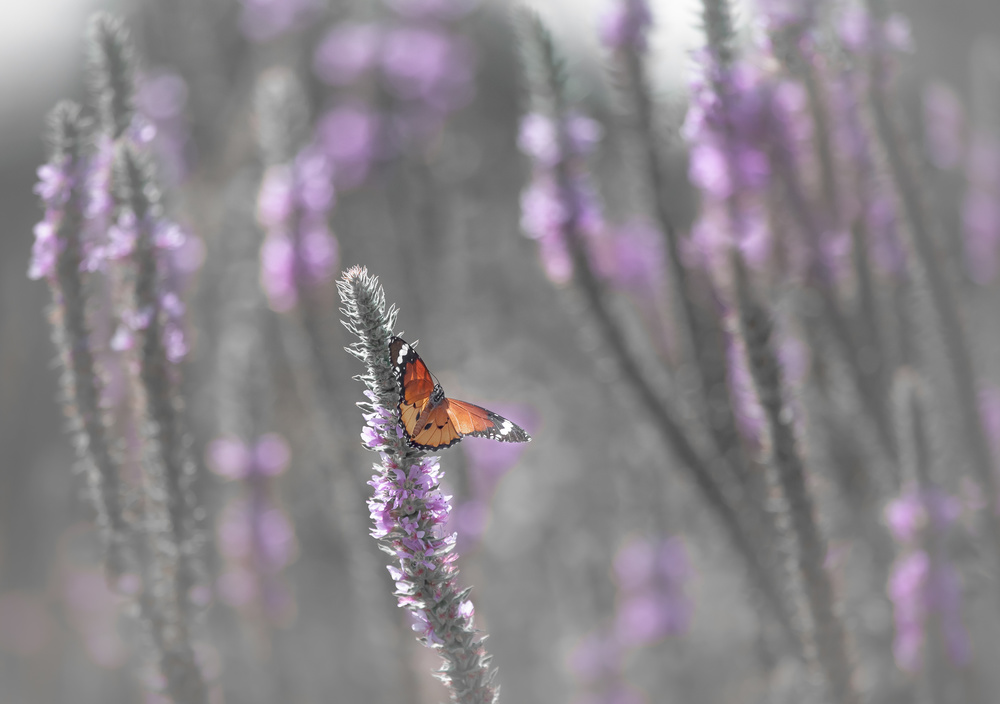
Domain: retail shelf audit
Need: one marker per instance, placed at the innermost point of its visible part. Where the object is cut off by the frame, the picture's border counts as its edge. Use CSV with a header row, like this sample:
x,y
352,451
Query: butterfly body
x,y
431,420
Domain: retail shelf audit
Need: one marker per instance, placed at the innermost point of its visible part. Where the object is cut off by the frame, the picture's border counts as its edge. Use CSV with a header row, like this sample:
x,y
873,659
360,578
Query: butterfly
x,y
431,420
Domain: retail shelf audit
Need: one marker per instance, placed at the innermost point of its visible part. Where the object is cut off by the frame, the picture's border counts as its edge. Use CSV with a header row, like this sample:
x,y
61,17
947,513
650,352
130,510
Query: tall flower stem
x,y
701,471
408,507
866,383
930,286
823,637
172,567
840,332
935,601
700,335
60,233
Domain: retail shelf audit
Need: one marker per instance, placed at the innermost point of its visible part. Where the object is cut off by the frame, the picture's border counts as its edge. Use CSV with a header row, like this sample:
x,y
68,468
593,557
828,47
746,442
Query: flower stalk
x,y
408,508
702,471
933,299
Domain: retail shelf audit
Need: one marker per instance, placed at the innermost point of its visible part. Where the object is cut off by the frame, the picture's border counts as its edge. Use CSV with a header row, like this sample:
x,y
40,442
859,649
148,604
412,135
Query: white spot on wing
x,y
403,351
506,427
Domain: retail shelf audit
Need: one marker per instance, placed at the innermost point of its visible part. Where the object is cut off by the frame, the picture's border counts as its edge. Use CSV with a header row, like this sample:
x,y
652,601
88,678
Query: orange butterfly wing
x,y
415,384
430,420
436,429
474,420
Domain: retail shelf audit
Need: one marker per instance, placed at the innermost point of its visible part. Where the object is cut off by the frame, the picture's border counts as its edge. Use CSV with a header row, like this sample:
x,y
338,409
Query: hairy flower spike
x,y
112,63
160,345
57,257
408,510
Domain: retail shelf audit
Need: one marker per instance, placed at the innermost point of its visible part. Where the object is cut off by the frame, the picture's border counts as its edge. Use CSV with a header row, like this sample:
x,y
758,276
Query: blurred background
x,y
541,526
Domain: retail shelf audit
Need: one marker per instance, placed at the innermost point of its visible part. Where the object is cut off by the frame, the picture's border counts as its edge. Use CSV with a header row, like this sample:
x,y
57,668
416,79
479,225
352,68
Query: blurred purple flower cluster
x,y
730,157
626,25
925,587
293,206
55,181
109,237
254,535
545,210
652,578
411,56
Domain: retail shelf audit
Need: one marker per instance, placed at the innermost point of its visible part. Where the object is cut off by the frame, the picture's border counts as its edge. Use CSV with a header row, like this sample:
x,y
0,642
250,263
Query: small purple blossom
x,y
626,24
546,210
349,135
943,125
856,31
652,600
537,137
44,251
230,458
428,65
54,183
299,250
981,208
923,583
346,52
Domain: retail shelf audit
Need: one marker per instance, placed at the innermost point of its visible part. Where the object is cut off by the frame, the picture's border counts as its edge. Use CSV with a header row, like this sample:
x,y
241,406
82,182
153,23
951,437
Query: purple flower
x,y
856,31
54,183
319,252
989,414
346,52
915,511
543,212
981,208
626,25
261,535
428,65
263,20
228,457
924,583
274,203
277,273
638,262
44,252
100,202
271,455
293,205
652,599
943,126
537,137
349,136
546,210
635,565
